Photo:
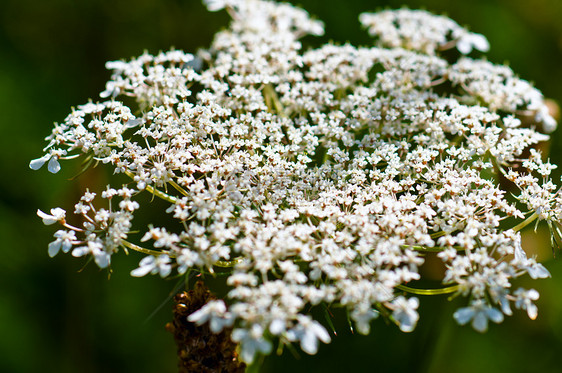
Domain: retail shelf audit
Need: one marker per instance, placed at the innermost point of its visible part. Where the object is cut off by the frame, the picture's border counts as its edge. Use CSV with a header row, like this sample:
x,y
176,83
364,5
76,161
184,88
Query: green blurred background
x,y
55,319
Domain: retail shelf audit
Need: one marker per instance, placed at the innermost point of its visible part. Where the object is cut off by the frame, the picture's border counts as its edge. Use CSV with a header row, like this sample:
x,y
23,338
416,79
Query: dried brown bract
x,y
199,349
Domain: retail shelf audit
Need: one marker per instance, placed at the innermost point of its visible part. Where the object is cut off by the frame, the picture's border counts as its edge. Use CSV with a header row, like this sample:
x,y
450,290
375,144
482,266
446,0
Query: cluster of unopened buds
x,y
318,177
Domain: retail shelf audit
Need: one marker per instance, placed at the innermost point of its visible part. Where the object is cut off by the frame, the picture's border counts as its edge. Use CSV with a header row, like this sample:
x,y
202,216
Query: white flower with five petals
x,y
154,265
64,240
308,332
215,313
57,215
479,312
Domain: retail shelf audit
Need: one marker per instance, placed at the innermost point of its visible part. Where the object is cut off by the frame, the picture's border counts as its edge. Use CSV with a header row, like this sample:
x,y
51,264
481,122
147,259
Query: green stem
x,y
179,188
526,222
437,234
447,290
154,191
228,263
436,249
140,249
272,99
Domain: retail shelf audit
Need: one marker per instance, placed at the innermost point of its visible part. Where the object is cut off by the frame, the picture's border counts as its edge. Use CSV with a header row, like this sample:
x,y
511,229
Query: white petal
x,y
58,212
80,251
519,253
238,334
538,271
277,327
264,346
248,352
105,94
408,322
494,315
532,311
43,215
147,236
214,5
133,122
218,323
141,271
309,343
165,270
533,294
102,259
480,42
480,322
363,326
148,261
39,162
321,332
111,89
464,46
506,309
54,165
463,315
549,124
47,219
66,246
199,317
215,325
413,303
291,335
54,248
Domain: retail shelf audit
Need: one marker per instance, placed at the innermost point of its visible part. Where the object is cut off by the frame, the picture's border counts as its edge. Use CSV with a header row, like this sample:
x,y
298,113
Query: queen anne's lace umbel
x,y
318,177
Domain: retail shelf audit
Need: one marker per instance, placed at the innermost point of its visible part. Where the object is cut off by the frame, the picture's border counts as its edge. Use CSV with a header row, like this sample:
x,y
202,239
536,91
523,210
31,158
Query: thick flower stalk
x,y
319,177
202,347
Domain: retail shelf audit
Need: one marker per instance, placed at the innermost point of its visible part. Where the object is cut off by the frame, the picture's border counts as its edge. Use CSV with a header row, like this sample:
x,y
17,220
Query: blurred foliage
x,y
54,318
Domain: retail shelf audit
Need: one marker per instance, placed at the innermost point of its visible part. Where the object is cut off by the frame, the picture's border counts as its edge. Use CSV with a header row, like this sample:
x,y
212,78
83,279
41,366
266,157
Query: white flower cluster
x,y
319,177
421,31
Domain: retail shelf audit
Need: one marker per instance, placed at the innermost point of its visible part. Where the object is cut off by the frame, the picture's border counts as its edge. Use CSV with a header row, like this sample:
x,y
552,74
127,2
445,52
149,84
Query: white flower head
x,y
421,31
316,175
